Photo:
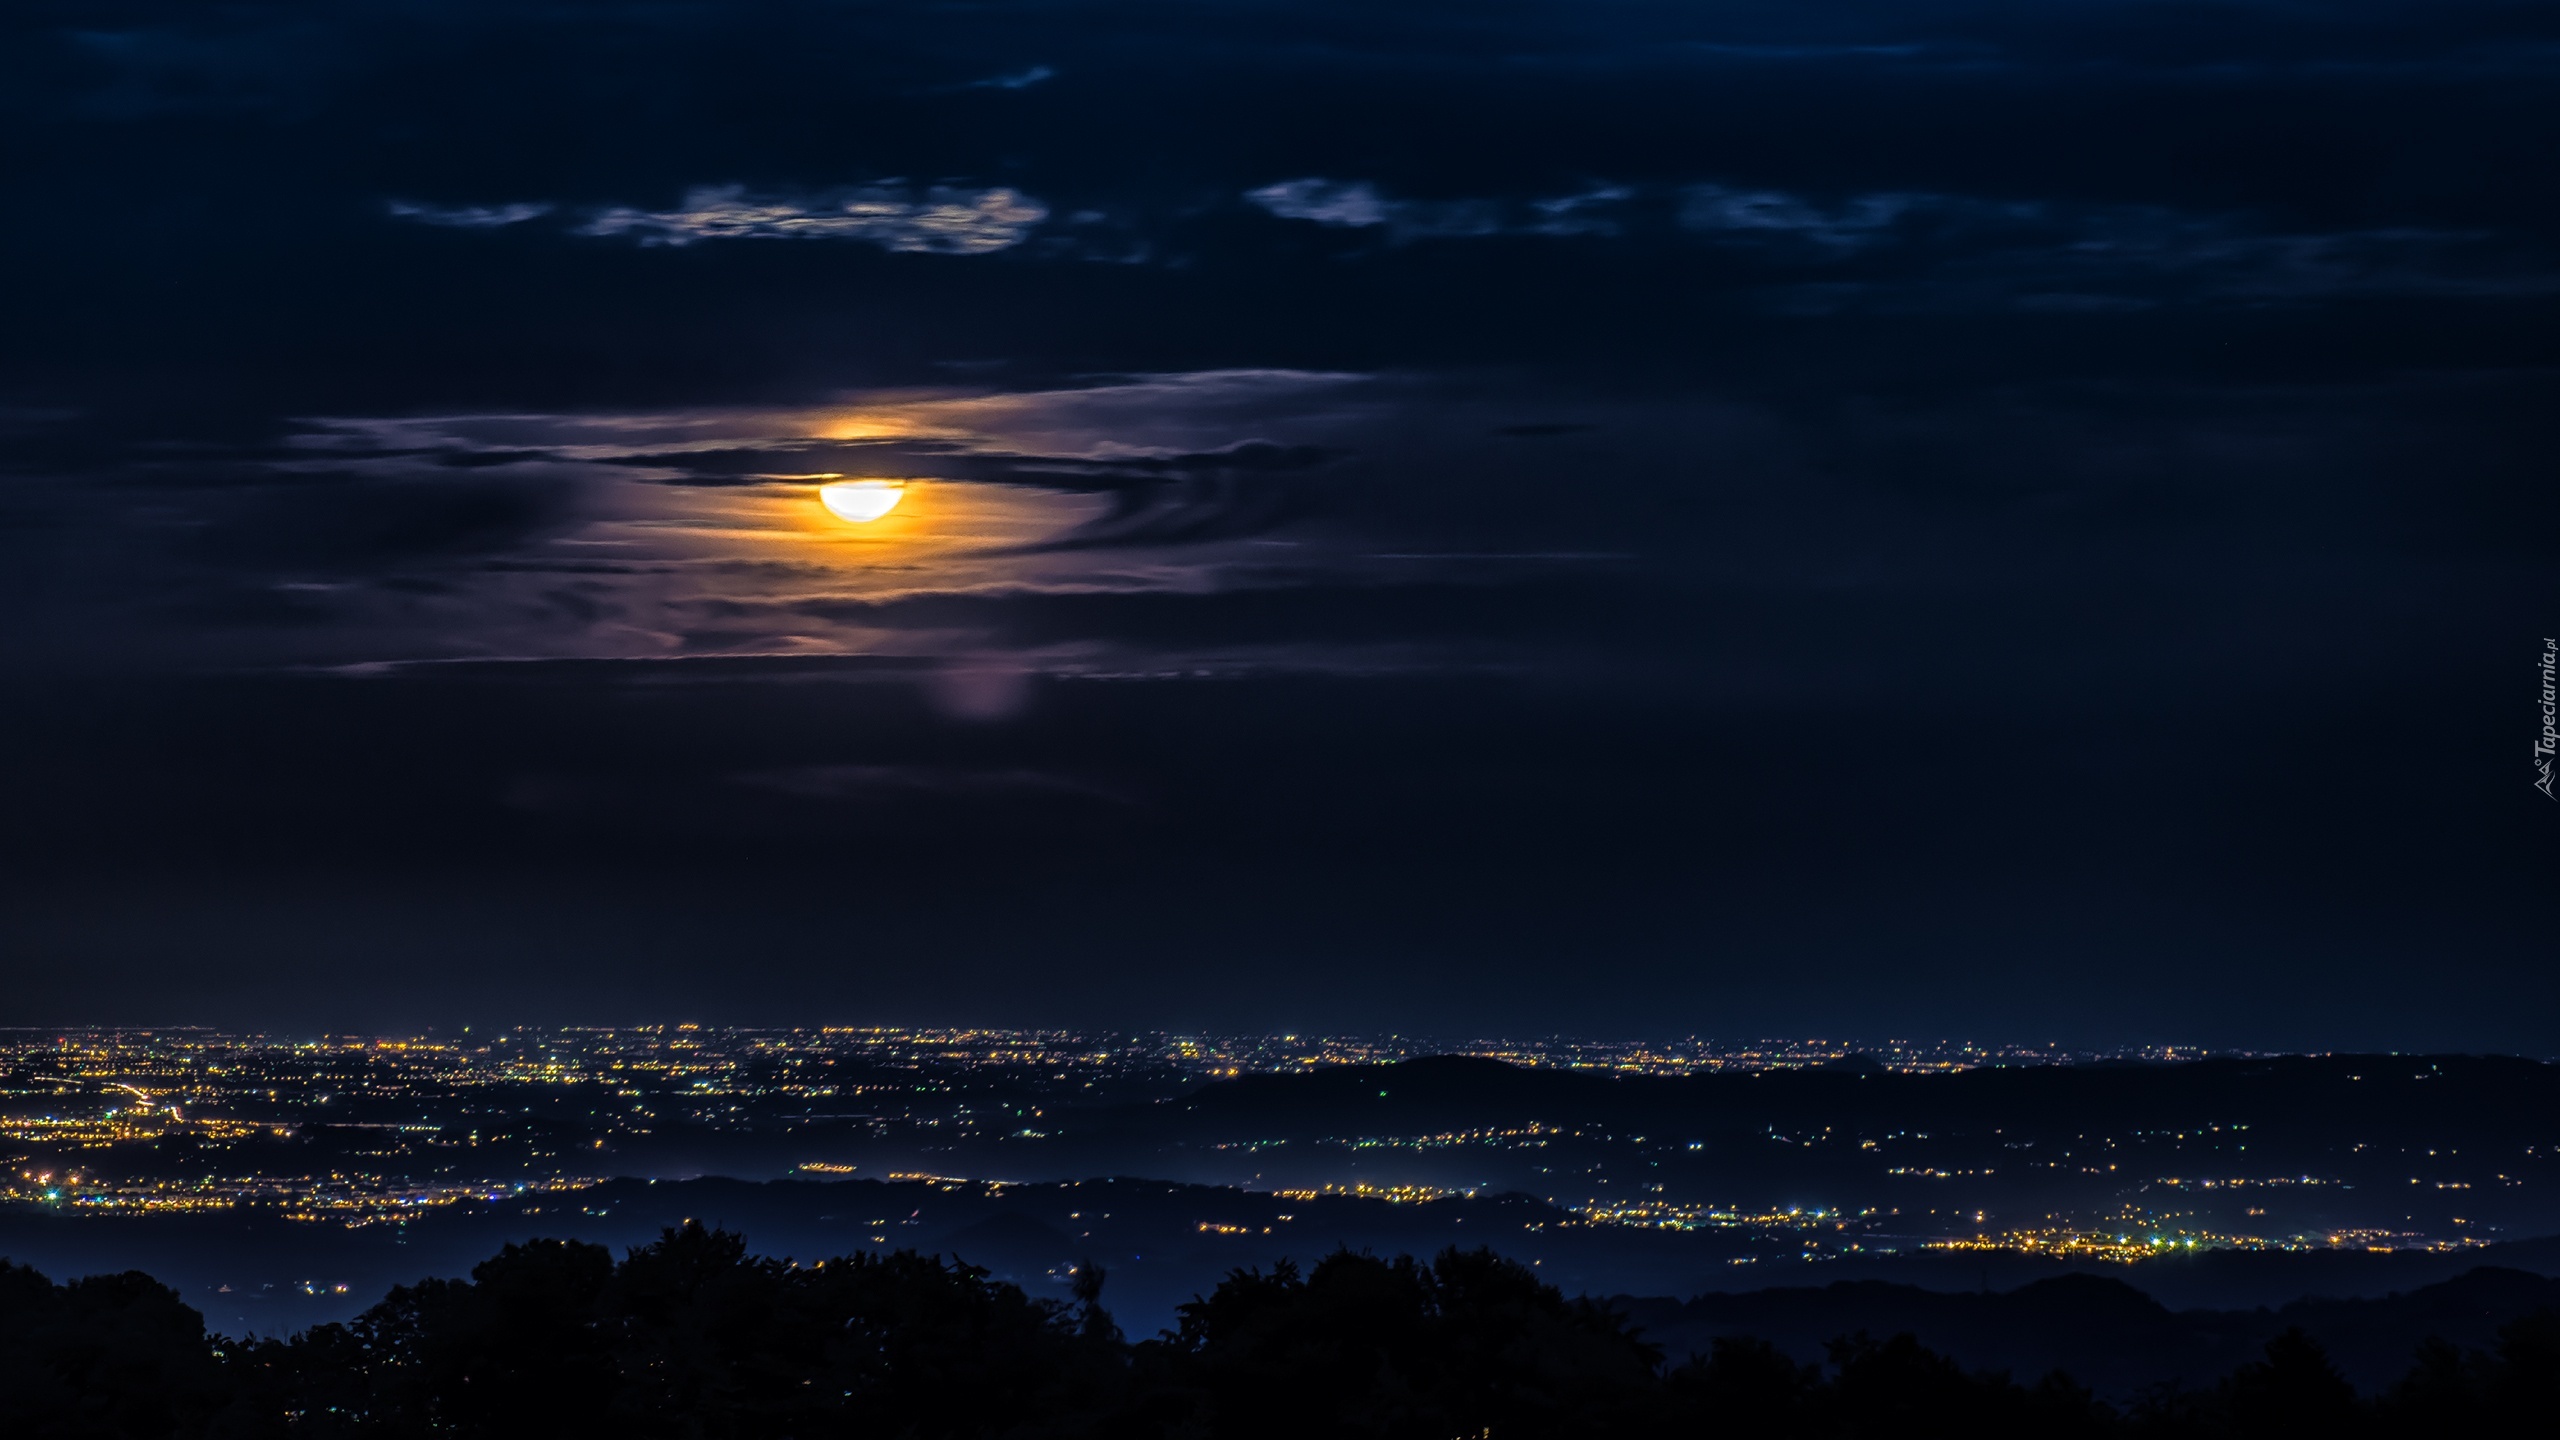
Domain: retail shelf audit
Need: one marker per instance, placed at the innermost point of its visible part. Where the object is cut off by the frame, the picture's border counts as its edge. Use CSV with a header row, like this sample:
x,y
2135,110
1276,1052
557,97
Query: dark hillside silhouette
x,y
694,1338
108,1355
1465,1345
2107,1333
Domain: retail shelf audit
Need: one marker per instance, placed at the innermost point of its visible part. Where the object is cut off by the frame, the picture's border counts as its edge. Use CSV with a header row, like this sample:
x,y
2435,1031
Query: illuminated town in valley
x,y
1584,1156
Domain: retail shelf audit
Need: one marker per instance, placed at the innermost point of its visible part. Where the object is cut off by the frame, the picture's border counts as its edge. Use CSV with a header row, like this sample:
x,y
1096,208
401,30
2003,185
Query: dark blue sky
x,y
2014,520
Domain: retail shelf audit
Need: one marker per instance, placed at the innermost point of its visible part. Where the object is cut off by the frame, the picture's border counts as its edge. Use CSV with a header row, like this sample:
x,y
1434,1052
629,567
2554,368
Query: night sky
x,y
2015,520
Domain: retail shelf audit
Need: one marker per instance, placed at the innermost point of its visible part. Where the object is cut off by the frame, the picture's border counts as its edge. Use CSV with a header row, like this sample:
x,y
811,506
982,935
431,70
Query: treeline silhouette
x,y
692,1336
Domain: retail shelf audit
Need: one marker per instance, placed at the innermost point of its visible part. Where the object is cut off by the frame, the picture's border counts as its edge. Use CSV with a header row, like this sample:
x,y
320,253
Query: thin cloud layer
x,y
1020,80
1718,209
1909,250
1358,204
1350,204
377,543
468,217
944,221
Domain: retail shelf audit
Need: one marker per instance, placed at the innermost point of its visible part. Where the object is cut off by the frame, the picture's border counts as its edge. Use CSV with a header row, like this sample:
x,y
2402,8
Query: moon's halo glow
x,y
861,501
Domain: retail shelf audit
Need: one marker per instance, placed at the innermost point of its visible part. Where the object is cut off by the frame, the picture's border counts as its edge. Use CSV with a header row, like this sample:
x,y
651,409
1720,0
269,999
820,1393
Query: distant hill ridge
x,y
2383,1089
2108,1334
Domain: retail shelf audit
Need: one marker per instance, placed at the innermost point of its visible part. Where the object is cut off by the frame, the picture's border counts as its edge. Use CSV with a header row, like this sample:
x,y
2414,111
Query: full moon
x,y
862,501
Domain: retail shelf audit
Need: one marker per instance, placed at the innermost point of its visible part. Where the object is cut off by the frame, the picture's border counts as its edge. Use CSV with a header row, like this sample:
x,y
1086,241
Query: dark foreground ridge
x,y
693,1336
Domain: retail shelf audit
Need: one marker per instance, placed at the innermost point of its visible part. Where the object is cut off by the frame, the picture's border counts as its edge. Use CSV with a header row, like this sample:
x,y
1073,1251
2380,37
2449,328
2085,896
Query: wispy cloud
x,y
1577,214
469,217
627,534
1327,202
1358,204
1921,250
1862,220
944,220
1706,208
1022,80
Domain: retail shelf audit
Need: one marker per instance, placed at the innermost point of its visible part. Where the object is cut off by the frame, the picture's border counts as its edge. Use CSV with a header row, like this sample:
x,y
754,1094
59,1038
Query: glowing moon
x,y
862,501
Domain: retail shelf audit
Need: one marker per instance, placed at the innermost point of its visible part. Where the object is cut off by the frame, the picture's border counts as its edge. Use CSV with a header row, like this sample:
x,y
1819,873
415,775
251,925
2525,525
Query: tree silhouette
x,y
111,1355
2295,1390
694,1338
1363,1346
1748,1385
